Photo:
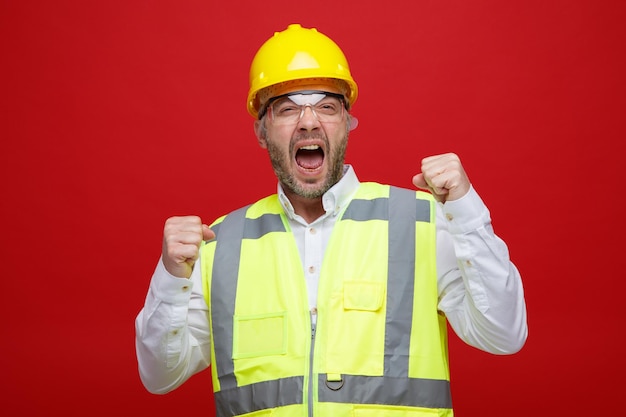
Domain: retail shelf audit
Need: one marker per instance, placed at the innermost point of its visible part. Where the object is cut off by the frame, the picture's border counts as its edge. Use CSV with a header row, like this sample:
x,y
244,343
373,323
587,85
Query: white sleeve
x,y
172,336
480,290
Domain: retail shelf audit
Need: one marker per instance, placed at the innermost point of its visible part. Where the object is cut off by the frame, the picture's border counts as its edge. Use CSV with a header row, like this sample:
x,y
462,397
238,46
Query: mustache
x,y
308,135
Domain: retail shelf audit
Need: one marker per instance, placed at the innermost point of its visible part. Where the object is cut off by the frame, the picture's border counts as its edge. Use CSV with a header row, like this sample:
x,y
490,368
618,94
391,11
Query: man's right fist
x,y
182,237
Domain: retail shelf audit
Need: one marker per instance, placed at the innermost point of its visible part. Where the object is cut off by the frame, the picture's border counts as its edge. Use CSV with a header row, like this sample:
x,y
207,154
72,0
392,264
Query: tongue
x,y
310,159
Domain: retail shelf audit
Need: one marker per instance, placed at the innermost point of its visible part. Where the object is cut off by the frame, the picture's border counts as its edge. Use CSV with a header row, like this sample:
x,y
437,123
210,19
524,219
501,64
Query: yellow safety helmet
x,y
297,53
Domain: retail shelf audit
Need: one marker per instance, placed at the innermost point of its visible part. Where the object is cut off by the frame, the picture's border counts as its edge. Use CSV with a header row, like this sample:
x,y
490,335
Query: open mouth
x,y
310,157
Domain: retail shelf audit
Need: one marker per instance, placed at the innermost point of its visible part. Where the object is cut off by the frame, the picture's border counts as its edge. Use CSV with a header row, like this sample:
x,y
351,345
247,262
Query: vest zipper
x,y
311,367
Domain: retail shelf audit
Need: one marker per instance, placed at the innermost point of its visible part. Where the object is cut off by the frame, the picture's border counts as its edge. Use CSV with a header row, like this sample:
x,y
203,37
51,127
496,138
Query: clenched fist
x,y
182,237
444,177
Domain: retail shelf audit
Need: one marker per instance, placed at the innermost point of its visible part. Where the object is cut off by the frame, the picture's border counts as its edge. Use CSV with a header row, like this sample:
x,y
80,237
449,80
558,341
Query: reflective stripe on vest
x,y
394,387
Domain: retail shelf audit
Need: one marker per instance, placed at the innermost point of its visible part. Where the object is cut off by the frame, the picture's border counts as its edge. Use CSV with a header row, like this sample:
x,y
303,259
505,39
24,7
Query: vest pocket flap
x,y
363,295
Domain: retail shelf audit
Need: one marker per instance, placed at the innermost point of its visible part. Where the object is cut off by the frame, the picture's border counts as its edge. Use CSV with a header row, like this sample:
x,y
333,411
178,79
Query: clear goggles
x,y
288,109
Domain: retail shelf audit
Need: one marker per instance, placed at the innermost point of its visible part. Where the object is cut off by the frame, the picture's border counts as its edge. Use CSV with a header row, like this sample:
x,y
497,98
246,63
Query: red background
x,y
118,114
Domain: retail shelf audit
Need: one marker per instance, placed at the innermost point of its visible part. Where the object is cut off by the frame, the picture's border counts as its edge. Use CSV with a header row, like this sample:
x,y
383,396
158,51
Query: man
x,y
331,297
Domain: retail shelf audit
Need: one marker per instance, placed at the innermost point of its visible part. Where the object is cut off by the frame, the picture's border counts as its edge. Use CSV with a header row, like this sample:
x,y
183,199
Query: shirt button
x,y
185,288
311,269
314,311
312,230
449,216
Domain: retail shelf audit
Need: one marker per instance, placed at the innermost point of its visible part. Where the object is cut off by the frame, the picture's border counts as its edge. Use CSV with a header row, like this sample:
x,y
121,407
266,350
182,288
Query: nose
x,y
308,119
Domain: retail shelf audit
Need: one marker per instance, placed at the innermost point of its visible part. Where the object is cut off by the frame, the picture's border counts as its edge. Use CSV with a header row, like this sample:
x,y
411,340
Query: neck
x,y
310,209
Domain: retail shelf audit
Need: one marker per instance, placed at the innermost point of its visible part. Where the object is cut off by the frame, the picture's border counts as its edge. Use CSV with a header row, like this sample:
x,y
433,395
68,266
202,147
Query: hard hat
x,y
297,53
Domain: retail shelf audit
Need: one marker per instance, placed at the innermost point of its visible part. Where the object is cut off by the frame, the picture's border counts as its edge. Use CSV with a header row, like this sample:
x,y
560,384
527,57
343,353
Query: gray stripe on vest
x,y
400,281
377,209
224,283
259,396
216,229
411,392
363,210
256,228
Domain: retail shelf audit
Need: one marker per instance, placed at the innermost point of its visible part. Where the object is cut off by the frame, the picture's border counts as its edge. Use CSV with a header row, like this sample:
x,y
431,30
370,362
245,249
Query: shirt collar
x,y
334,200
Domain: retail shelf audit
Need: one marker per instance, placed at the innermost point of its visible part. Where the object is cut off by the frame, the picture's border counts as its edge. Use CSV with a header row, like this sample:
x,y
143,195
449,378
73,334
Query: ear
x,y
259,131
354,122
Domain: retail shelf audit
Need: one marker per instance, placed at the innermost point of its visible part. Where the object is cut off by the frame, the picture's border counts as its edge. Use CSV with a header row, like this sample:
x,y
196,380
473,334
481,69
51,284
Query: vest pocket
x,y
259,335
356,327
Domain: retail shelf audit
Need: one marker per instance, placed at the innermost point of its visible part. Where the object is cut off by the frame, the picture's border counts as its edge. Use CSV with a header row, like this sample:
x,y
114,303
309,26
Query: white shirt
x,y
480,290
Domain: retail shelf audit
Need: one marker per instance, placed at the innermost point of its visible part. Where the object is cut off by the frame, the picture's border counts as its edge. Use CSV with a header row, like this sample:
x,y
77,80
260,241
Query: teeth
x,y
310,147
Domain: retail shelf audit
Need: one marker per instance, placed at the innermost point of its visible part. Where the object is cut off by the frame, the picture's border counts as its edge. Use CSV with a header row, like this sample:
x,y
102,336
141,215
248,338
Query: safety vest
x,y
379,346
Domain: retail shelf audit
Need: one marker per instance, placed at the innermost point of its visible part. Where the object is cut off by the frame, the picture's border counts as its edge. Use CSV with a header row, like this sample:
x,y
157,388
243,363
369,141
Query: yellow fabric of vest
x,y
270,330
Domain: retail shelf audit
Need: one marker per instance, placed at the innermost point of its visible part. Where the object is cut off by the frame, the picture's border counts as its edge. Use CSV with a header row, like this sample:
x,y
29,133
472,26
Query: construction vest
x,y
379,347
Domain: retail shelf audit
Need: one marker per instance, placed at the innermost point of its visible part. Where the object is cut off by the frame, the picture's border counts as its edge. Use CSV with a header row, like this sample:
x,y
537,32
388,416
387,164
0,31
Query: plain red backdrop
x,y
118,114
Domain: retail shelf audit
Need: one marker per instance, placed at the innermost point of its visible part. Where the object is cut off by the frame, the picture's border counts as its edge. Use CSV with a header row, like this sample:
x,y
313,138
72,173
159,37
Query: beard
x,y
281,162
